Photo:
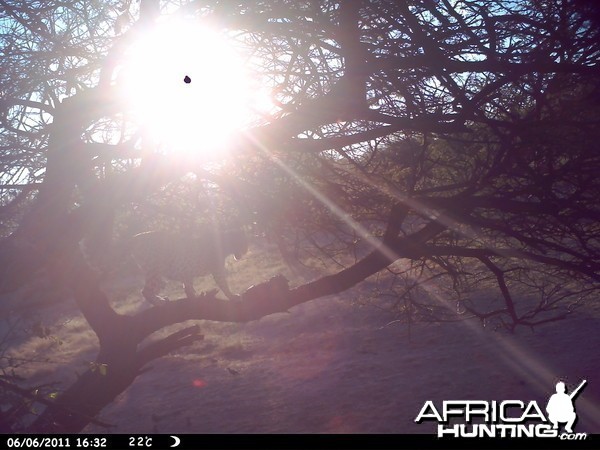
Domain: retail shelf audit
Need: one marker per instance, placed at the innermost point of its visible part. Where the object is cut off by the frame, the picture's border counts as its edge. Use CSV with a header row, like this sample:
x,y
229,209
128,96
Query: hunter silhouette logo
x,y
560,406
507,418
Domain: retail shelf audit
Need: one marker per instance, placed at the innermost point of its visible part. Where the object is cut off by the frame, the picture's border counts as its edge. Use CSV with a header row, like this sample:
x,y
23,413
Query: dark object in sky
x,y
187,80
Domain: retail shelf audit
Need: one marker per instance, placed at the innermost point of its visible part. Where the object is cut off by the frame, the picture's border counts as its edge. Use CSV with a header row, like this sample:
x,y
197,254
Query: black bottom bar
x,y
283,442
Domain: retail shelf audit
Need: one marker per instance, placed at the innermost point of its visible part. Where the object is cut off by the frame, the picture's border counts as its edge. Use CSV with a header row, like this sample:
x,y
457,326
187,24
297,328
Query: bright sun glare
x,y
200,115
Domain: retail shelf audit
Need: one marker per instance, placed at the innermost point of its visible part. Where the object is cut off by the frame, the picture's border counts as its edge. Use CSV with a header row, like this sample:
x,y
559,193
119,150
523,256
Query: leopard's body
x,y
180,257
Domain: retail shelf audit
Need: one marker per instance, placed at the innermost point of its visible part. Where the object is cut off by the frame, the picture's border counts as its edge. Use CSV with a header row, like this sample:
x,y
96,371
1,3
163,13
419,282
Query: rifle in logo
x,y
560,406
579,388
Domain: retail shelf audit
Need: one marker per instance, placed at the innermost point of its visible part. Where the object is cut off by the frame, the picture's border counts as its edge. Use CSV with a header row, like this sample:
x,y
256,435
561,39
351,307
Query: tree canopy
x,y
451,143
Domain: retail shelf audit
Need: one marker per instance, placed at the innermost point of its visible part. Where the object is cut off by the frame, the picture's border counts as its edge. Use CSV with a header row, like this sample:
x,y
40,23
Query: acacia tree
x,y
454,137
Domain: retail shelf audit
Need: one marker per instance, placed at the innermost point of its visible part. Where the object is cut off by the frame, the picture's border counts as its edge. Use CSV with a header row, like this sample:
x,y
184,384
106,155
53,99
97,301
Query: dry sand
x,y
329,366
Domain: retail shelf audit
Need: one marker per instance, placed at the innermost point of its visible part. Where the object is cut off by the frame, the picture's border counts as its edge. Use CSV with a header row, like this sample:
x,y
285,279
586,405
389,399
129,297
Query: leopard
x,y
181,257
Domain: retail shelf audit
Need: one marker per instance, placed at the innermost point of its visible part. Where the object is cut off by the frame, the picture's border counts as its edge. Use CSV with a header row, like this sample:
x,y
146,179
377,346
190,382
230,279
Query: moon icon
x,y
177,441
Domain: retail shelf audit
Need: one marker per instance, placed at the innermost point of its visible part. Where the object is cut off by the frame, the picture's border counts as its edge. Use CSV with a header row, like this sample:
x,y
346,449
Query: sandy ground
x,y
330,366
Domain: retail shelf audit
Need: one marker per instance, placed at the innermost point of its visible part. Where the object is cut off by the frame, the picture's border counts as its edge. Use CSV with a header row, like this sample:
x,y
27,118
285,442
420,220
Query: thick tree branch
x,y
274,296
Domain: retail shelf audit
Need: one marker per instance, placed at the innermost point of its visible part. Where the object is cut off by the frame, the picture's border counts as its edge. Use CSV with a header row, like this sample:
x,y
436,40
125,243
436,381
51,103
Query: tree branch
x,y
499,274
274,296
450,250
172,342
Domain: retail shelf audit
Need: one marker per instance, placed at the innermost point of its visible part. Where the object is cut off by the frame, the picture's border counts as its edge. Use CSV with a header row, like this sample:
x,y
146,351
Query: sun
x,y
188,87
